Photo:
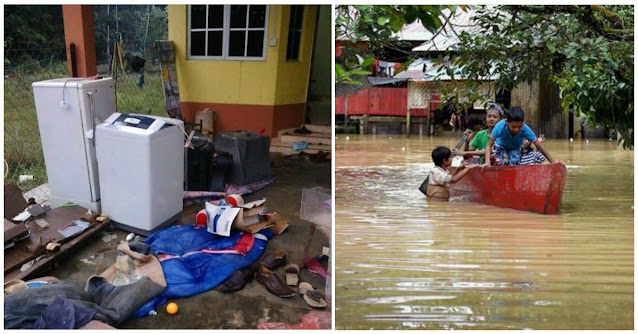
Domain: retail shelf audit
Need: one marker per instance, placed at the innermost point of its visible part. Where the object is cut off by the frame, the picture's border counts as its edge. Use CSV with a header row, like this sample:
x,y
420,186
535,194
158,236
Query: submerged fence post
x,y
407,104
345,118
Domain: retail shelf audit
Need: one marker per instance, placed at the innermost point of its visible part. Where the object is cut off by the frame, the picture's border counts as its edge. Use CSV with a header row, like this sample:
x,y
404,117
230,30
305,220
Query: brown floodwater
x,y
401,262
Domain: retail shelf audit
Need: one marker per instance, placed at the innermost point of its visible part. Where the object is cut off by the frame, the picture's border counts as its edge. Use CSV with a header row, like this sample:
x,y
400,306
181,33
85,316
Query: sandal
x,y
305,287
315,267
312,296
292,274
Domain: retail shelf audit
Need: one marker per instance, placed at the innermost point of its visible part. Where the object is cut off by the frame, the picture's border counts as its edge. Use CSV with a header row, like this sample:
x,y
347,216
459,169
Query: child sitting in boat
x,y
506,140
477,146
440,178
531,156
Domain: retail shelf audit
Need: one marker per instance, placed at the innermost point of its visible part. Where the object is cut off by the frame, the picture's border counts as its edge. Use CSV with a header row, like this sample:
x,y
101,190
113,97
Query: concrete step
x,y
319,128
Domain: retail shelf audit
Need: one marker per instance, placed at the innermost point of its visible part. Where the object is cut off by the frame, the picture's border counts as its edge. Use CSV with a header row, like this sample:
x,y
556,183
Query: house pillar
x,y
78,30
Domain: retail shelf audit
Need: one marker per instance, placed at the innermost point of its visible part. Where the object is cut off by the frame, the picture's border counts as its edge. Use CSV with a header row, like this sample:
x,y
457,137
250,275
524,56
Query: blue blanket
x,y
199,272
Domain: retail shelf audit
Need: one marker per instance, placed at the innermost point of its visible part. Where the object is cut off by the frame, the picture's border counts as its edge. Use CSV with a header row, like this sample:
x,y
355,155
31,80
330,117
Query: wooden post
x,y
306,248
407,104
345,119
429,117
78,29
407,124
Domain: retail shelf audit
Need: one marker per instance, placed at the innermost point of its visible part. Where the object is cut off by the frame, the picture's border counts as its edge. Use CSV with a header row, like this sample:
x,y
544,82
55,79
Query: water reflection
x,y
405,263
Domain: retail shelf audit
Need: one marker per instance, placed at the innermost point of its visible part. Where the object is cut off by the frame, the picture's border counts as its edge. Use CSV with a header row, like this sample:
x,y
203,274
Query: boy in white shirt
x,y
440,178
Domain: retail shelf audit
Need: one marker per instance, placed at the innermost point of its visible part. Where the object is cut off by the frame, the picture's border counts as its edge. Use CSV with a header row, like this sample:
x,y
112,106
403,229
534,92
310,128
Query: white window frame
x,y
226,36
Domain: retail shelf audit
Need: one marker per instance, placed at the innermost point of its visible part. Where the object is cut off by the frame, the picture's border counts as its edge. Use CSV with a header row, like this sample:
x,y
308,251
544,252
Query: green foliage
x,y
130,24
586,50
353,75
32,33
376,26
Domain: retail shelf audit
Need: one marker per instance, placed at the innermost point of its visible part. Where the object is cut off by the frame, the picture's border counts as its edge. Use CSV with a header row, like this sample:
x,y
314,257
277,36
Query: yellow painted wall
x,y
262,82
293,76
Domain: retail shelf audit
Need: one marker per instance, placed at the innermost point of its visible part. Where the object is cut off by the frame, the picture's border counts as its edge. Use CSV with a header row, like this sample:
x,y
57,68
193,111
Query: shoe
x,y
238,280
273,283
201,220
272,260
292,274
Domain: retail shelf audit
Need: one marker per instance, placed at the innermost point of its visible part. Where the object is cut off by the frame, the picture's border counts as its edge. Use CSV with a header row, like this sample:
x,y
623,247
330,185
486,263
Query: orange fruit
x,y
172,308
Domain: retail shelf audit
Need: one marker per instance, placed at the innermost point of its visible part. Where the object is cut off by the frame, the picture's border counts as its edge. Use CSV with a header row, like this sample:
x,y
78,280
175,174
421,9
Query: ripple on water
x,y
404,263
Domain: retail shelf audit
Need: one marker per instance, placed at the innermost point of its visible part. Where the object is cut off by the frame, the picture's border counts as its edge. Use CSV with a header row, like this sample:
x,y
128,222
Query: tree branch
x,y
609,15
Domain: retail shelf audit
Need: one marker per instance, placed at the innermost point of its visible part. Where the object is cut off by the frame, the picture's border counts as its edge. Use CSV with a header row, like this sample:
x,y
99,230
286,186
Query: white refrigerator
x,y
68,111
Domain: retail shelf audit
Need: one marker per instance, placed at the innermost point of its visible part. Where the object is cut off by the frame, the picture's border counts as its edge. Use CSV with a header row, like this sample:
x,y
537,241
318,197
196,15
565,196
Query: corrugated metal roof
x,y
414,31
376,81
426,70
447,38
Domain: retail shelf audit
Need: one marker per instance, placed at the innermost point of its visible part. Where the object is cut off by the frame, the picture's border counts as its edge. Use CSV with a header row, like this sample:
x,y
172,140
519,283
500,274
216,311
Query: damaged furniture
x,y
316,207
37,237
18,259
251,156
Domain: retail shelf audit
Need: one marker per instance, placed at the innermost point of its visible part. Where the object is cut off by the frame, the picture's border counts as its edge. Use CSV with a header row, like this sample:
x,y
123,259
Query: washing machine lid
x,y
133,123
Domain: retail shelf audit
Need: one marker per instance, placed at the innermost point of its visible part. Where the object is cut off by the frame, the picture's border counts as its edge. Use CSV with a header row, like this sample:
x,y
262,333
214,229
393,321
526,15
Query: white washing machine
x,y
141,164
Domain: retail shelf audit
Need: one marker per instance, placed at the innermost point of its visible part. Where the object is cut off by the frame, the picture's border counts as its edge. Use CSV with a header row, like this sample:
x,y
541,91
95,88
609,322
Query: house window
x,y
294,32
227,32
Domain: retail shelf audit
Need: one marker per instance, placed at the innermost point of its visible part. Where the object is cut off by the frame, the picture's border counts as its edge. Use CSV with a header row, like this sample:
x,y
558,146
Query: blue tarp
x,y
199,272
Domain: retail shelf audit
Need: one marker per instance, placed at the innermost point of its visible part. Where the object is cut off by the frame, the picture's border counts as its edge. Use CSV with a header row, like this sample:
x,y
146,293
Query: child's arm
x,y
540,148
462,173
474,152
468,137
488,152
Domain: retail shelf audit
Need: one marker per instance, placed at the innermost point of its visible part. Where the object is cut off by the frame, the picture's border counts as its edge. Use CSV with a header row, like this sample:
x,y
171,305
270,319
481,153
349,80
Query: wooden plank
x,y
320,147
319,138
166,52
290,151
57,218
47,263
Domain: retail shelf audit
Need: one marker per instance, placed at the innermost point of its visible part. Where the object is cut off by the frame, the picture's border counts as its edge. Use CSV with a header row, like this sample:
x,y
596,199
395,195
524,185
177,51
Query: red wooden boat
x,y
536,188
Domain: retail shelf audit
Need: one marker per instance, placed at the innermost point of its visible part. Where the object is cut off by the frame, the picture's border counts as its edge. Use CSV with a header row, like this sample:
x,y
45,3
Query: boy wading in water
x,y
507,139
440,178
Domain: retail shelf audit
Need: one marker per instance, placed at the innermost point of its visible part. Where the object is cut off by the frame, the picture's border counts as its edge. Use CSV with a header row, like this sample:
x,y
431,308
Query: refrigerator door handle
x,y
89,133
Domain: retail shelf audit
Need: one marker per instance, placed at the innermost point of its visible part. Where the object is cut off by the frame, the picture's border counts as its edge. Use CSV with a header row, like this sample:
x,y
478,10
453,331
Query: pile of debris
x,y
36,236
224,249
308,139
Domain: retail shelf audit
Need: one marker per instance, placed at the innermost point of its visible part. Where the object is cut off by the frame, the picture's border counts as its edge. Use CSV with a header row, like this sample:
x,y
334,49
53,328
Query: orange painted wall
x,y
249,117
